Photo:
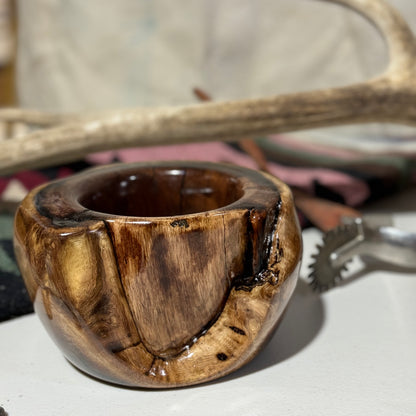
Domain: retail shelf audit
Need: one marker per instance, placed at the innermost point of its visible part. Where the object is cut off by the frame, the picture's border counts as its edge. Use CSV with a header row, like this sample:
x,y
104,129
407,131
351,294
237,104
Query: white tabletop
x,y
350,351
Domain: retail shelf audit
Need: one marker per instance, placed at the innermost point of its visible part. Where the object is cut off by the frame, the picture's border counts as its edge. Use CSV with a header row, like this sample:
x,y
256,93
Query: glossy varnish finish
x,y
159,275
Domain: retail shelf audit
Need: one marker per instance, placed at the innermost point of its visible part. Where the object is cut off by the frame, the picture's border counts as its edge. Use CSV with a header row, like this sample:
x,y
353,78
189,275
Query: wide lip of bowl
x,y
255,180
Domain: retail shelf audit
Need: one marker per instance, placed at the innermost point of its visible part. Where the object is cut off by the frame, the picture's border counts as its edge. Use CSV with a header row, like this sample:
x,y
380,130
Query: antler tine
x,y
36,117
394,29
391,97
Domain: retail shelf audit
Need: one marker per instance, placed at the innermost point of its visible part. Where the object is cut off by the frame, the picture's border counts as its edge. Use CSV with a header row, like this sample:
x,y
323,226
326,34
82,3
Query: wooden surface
x,y
8,69
160,276
7,90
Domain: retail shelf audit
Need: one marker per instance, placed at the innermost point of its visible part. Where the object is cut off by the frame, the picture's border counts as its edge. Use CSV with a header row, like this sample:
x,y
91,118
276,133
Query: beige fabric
x,y
76,55
6,35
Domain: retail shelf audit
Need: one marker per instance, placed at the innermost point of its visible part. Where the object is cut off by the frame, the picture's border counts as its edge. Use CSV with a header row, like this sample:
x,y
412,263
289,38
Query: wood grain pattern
x,y
160,275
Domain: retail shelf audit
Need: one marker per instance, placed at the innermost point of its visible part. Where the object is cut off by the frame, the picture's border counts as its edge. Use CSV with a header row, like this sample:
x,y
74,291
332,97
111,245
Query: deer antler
x,y
391,97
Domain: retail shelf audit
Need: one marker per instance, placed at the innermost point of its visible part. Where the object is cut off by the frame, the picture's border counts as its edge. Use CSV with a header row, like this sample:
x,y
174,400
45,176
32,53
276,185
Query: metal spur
x,y
360,237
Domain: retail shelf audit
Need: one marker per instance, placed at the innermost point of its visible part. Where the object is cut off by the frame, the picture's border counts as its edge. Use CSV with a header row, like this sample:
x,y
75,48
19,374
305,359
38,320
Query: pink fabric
x,y
353,191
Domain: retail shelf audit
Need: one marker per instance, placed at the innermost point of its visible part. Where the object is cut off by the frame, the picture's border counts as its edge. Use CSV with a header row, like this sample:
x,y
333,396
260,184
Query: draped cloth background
x,y
81,55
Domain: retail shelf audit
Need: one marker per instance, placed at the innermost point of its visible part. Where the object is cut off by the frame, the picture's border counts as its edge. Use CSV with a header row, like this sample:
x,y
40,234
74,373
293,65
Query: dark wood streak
x,y
262,234
117,351
163,269
237,330
180,223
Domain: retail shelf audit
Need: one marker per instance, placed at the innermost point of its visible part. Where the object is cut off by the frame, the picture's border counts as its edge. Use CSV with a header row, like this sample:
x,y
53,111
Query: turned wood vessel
x,y
159,275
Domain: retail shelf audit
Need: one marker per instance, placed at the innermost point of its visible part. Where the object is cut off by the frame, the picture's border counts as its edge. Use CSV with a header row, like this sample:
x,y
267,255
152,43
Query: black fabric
x,y
14,299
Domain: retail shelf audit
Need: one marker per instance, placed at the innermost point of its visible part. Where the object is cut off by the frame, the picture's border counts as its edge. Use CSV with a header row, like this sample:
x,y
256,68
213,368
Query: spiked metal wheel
x,y
324,271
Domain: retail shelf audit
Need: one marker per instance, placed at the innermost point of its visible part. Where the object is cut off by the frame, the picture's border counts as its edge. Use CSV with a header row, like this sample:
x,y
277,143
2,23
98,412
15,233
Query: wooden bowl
x,y
159,274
